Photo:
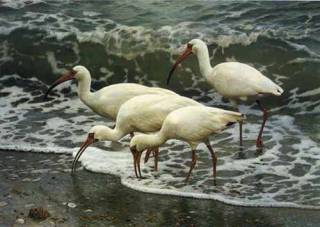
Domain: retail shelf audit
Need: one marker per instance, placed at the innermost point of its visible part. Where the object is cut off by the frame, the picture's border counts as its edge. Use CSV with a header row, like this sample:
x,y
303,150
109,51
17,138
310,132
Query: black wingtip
x,y
230,123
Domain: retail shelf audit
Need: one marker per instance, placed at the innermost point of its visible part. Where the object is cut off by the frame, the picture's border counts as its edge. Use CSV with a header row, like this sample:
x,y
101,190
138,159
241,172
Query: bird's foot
x,y
241,146
214,182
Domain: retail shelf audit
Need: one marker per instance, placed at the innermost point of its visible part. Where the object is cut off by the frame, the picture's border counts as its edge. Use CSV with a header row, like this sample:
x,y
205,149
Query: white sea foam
x,y
18,4
131,41
289,162
120,164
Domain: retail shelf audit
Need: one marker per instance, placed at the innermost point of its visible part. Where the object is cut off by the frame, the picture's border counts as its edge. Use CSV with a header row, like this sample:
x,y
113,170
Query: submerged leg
x,y
213,159
259,141
193,163
240,133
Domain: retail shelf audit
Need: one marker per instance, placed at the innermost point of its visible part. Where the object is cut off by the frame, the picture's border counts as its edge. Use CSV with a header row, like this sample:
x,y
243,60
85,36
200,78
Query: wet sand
x,y
30,180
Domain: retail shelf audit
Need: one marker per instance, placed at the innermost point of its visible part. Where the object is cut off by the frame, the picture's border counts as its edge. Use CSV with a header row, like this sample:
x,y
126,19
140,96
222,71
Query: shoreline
x,y
43,180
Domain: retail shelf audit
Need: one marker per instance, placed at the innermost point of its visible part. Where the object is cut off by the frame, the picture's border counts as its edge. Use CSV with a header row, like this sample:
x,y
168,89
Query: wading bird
x,y
233,80
193,124
144,113
106,101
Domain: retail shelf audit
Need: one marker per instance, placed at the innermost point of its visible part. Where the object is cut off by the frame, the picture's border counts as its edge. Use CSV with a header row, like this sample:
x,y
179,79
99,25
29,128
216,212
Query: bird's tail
x,y
233,118
230,117
227,117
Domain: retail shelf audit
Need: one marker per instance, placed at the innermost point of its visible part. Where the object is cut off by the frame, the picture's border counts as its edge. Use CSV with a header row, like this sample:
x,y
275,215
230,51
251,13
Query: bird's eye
x,y
189,45
96,140
74,72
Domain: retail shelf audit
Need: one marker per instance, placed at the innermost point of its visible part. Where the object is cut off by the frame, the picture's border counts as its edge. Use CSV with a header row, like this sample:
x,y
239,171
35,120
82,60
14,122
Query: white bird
x,y
233,80
144,113
193,124
106,101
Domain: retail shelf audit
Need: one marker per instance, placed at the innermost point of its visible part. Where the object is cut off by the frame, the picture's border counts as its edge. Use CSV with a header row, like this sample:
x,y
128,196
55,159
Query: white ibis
x,y
233,80
193,124
106,101
144,113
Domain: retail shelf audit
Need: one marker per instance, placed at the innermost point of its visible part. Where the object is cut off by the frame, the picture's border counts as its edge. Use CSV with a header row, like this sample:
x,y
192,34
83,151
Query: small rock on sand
x,y
3,203
20,221
72,205
38,213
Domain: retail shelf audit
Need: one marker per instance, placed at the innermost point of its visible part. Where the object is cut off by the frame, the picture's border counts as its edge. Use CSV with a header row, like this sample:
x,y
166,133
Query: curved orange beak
x,y
90,140
68,76
184,55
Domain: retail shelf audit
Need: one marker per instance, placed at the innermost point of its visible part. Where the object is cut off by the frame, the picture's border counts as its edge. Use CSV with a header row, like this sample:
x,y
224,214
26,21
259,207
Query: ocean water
x,y
138,41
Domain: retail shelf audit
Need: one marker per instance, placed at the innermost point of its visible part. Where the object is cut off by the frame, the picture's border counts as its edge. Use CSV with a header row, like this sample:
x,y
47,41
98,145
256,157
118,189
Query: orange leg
x,y
134,154
138,159
155,155
213,159
259,141
193,163
147,156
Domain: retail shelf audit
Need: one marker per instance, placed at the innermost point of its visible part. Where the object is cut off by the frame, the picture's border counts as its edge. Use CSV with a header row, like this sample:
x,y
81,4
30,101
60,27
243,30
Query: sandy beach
x,y
43,180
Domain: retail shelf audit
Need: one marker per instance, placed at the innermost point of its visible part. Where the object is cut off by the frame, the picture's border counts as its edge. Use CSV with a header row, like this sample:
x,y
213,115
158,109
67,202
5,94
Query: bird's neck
x,y
153,140
204,61
84,86
112,134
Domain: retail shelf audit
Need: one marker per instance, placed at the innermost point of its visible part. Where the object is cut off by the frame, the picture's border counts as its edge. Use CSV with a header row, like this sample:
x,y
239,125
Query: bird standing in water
x,y
233,80
144,113
193,124
107,101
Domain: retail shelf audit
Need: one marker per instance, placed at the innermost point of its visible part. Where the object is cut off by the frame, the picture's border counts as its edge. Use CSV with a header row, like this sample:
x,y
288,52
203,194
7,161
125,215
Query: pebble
x,y
3,203
72,205
27,179
36,179
29,205
20,221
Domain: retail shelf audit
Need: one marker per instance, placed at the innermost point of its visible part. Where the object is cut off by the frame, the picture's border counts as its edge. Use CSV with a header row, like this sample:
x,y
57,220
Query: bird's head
x,y
98,132
78,72
81,72
94,135
137,143
196,45
192,47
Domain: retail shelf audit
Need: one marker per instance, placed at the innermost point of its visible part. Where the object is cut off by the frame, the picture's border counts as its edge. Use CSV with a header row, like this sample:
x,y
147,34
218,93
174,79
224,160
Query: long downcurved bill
x,y
88,142
68,76
184,55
